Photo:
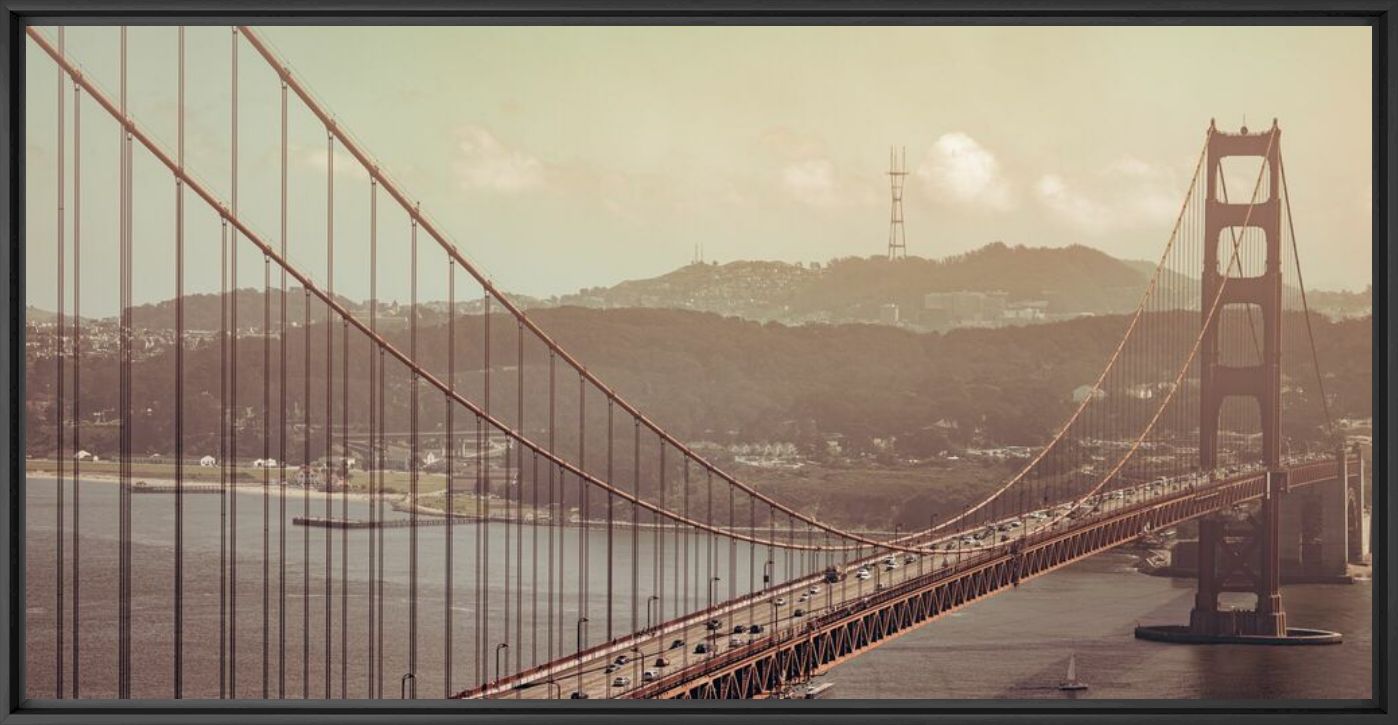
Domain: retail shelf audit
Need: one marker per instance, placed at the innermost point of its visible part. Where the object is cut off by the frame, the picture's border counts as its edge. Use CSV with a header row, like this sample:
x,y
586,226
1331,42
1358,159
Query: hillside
x,y
707,377
1066,281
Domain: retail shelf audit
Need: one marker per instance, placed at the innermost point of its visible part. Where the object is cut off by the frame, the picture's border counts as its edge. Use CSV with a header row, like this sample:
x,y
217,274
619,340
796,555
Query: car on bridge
x,y
620,660
621,681
713,624
650,675
739,629
701,648
677,644
662,662
798,612
755,629
578,695
779,601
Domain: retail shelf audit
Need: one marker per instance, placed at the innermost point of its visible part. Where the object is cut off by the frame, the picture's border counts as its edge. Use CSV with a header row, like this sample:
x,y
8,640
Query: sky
x,y
559,158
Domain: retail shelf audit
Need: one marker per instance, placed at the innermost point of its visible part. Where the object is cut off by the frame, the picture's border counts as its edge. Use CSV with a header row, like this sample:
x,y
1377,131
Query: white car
x,y
813,590
649,675
621,681
779,601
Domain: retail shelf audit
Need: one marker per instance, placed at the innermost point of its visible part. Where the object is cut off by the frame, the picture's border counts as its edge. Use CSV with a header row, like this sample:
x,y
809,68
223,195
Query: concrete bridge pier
x,y
1247,553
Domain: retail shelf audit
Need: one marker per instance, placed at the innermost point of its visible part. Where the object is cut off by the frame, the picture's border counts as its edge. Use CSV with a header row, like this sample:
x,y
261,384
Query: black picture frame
x,y
15,15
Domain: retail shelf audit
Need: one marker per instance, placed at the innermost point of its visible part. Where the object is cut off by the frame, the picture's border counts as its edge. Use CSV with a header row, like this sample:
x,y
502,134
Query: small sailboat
x,y
1072,683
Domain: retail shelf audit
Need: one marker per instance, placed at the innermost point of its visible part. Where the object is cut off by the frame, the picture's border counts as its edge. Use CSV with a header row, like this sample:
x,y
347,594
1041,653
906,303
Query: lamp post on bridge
x,y
558,691
709,651
767,579
649,600
498,649
581,621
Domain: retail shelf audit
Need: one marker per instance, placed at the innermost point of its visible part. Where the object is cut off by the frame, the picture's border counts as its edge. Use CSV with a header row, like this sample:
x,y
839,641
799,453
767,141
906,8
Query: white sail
x,y
1072,669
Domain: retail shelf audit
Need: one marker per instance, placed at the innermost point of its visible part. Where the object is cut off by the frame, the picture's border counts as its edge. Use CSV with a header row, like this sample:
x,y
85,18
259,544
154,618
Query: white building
x,y
1082,392
888,314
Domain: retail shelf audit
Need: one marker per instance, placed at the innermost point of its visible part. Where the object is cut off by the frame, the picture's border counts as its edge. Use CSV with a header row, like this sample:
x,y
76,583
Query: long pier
x,y
171,488
336,523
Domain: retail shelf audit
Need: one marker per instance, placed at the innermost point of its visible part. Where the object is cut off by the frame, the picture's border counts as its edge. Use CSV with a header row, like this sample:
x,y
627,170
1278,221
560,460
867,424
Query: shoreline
x,y
398,502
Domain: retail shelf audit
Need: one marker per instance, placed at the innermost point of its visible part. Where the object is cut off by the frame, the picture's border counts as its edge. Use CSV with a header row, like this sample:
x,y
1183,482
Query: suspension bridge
x,y
576,547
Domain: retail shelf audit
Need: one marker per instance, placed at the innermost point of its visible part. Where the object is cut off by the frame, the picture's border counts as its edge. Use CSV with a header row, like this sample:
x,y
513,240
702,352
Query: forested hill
x,y
707,377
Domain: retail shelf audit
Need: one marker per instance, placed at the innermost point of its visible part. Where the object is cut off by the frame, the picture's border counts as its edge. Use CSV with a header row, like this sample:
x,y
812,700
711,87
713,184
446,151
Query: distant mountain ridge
x,y
1068,281
1060,282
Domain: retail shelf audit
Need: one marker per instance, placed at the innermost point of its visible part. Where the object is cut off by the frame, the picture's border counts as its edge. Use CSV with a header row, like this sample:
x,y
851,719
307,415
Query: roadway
x,y
614,670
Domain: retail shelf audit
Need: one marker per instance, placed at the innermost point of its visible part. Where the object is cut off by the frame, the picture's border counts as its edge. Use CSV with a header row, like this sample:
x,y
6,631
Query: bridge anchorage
x,y
1238,551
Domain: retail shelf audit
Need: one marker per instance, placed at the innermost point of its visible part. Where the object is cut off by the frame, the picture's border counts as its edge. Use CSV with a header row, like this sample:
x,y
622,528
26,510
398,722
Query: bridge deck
x,y
841,620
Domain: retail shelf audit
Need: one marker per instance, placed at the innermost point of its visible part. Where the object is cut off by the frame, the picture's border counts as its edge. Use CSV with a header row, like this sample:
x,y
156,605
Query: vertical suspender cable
x,y
374,463
554,507
233,388
344,506
611,501
266,471
77,369
344,462
124,621
635,524
659,585
483,464
582,504
510,555
223,460
282,426
412,466
60,568
534,570
519,496
379,567
451,476
306,492
509,545
328,480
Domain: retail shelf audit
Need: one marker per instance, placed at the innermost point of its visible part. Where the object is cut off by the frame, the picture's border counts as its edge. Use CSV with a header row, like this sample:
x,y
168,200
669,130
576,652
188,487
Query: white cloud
x,y
1126,194
483,162
960,171
1079,211
811,181
345,164
818,182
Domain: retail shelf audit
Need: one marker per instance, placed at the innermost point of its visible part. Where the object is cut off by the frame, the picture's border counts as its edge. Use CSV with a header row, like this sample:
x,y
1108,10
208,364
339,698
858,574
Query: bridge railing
x,y
1304,472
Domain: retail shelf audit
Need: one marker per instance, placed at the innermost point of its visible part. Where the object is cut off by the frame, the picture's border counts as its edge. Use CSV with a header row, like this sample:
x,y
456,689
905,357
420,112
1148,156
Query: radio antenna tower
x,y
897,170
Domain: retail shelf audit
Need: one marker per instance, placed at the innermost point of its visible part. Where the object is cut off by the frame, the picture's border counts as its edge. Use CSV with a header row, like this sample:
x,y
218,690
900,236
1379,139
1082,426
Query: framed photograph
x,y
535,362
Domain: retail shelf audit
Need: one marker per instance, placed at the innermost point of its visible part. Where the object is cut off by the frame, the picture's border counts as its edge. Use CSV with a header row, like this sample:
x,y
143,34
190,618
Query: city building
x,y
888,314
